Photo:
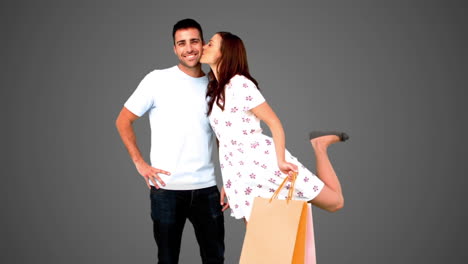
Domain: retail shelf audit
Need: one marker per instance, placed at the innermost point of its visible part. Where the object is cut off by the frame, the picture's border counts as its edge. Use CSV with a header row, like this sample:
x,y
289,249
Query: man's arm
x,y
223,198
124,124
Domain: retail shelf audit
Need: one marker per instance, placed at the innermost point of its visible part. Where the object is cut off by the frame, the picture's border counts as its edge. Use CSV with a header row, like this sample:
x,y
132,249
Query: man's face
x,y
188,47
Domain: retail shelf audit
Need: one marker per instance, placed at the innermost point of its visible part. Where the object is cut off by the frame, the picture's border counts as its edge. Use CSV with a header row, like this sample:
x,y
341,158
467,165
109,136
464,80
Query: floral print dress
x,y
247,157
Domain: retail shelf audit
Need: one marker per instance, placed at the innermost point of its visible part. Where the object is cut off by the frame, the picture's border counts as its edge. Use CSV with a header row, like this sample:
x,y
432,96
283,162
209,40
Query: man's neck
x,y
195,72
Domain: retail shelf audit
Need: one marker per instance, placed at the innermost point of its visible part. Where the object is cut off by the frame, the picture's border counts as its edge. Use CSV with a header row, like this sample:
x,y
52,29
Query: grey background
x,y
390,73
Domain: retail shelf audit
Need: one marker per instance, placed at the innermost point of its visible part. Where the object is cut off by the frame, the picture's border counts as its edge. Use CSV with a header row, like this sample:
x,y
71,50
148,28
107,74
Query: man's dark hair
x,y
184,24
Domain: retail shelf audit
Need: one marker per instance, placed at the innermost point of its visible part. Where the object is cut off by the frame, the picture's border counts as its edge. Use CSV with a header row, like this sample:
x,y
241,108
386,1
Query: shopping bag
x,y
310,257
276,231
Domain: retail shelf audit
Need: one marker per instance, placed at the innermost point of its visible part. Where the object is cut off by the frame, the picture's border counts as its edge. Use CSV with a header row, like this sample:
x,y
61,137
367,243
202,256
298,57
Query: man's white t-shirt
x,y
181,136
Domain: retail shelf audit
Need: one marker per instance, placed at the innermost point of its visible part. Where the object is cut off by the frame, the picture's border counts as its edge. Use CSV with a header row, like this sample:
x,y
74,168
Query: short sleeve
x,y
141,100
248,96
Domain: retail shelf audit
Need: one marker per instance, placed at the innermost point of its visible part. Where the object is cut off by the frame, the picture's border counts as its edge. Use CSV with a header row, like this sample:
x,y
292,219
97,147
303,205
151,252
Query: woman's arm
x,y
265,113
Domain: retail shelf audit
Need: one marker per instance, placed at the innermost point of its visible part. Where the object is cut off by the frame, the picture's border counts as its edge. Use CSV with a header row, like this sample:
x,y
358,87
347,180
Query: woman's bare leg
x,y
331,196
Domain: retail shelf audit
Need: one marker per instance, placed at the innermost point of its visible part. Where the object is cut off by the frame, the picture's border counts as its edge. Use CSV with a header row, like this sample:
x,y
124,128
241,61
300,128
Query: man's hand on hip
x,y
150,174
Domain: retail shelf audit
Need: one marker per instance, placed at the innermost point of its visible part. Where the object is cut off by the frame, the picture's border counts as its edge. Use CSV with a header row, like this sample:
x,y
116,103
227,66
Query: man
x,y
181,176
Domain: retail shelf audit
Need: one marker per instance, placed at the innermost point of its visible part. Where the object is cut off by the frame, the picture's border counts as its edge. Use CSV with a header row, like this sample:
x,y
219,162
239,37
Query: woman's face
x,y
212,51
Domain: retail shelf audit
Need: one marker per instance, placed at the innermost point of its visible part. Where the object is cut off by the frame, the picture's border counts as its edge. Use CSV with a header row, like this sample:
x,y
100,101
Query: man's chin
x,y
191,64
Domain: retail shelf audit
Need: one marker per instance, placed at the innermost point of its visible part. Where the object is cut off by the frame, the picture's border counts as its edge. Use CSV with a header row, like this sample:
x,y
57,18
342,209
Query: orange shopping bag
x,y
276,231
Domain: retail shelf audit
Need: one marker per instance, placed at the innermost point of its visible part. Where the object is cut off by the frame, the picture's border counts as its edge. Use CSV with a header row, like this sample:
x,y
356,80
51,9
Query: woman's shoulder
x,y
241,80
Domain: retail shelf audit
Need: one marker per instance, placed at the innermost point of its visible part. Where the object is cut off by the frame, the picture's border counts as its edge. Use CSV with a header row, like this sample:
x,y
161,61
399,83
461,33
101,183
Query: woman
x,y
253,164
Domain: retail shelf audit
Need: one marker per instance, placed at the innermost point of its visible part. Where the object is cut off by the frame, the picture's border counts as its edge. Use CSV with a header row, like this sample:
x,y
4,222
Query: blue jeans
x,y
169,211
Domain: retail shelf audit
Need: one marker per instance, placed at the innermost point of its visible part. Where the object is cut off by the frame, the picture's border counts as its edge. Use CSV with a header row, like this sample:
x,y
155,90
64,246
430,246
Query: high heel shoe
x,y
314,134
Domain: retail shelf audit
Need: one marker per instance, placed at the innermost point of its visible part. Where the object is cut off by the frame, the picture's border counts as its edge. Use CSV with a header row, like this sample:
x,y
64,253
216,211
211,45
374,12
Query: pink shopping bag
x,y
310,257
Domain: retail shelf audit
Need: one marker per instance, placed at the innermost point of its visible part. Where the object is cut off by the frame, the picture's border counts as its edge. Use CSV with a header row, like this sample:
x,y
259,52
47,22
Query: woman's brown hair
x,y
233,61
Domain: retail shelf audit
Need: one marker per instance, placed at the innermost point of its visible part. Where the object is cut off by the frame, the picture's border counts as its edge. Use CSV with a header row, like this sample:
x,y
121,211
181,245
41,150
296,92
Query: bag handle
x,y
291,189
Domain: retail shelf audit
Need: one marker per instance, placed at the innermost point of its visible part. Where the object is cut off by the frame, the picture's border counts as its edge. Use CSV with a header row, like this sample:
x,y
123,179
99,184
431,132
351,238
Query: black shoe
x,y
315,134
